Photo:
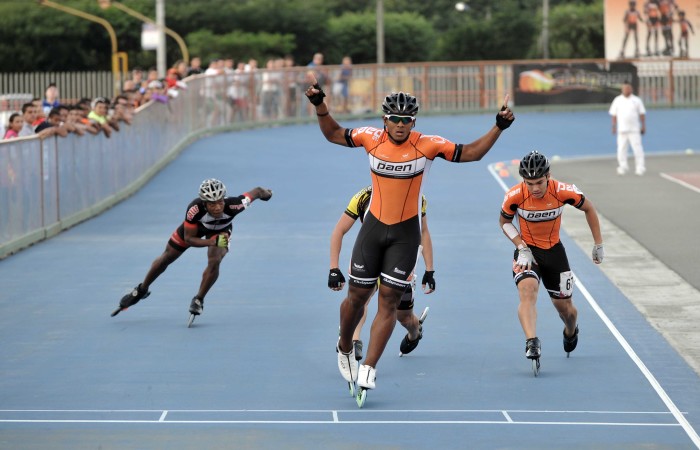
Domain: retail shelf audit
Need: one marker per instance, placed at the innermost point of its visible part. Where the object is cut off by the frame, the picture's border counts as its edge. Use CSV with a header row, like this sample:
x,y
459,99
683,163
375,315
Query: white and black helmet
x,y
400,103
534,165
212,190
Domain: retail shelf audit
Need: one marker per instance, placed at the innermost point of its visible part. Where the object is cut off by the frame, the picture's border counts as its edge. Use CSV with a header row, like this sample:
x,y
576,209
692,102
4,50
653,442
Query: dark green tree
x,y
507,34
407,37
576,31
34,37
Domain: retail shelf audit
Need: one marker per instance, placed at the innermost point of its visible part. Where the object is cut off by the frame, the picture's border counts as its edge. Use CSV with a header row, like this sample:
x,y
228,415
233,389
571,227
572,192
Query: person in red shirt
x,y
538,202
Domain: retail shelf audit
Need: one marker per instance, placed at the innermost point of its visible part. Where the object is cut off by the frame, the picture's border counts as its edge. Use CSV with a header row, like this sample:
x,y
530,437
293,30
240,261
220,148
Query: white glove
x,y
525,258
598,253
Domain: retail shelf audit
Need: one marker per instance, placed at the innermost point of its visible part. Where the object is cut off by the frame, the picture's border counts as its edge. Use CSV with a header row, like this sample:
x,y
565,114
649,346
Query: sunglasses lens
x,y
403,120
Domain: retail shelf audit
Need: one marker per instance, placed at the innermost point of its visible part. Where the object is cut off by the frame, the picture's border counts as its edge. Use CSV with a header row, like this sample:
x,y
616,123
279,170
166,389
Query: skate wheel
x,y
361,397
536,366
424,315
351,387
189,322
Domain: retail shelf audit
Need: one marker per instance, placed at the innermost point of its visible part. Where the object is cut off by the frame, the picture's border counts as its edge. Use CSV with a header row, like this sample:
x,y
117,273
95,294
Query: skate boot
x,y
365,380
407,345
137,294
366,377
570,342
347,363
196,306
533,348
358,349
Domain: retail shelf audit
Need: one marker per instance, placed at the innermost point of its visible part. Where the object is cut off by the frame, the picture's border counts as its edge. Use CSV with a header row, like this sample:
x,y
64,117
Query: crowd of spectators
x,y
245,92
50,117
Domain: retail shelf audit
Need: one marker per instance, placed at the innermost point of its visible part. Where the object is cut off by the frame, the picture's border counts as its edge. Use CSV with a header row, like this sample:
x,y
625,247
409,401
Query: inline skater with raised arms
x,y
386,248
538,202
208,223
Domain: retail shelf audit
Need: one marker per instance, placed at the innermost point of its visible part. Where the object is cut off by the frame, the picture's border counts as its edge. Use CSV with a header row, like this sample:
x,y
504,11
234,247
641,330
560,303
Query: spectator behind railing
x,y
28,118
122,111
14,126
83,108
51,98
98,114
52,126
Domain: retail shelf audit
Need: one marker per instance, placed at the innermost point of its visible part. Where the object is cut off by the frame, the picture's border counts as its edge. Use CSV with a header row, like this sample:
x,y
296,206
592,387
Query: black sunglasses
x,y
403,119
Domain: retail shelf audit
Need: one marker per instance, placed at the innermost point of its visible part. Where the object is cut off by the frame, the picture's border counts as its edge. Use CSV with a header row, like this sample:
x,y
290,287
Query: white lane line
x,y
692,434
642,367
681,182
335,416
320,422
162,416
507,416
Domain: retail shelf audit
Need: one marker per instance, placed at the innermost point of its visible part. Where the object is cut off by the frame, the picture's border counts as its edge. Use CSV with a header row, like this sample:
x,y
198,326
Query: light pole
x,y
104,4
380,31
545,29
160,23
119,59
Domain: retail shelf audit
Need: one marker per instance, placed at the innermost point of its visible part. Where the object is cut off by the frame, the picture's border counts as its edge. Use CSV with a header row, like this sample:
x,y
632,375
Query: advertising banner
x,y
553,84
652,29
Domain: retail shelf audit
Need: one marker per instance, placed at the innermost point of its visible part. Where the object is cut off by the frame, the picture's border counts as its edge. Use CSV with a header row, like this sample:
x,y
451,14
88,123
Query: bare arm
x,y
329,127
195,241
593,222
477,149
341,228
427,243
516,239
428,282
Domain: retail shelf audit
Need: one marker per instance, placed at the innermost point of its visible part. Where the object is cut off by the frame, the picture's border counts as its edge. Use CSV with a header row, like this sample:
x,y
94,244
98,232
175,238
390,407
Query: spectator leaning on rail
x,y
98,114
78,118
122,111
52,126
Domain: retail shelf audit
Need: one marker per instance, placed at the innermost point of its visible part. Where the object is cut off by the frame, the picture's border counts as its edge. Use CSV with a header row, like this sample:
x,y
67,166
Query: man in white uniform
x,y
628,121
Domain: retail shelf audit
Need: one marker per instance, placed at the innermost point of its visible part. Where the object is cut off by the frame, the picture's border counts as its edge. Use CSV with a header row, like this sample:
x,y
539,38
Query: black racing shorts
x,y
385,252
552,267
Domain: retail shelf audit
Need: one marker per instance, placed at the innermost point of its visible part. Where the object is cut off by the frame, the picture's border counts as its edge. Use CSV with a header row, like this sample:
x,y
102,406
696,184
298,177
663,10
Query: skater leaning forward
x,y
208,223
538,202
386,247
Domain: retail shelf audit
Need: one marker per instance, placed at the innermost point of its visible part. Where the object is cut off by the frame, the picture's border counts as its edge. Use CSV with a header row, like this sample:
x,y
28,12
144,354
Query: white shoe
x,y
347,364
640,172
621,170
366,378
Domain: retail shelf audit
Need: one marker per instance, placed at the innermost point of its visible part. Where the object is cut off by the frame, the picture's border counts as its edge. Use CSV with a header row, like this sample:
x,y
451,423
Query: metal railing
x,y
72,85
49,185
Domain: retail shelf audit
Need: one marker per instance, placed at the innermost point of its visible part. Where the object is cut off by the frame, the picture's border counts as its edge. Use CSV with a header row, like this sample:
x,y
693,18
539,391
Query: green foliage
x,y
407,37
239,45
505,35
576,31
35,37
